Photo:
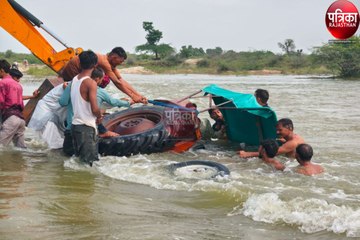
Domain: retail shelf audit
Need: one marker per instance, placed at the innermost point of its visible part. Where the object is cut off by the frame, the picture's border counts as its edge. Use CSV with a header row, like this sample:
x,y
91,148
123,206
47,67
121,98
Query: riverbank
x,y
329,59
41,70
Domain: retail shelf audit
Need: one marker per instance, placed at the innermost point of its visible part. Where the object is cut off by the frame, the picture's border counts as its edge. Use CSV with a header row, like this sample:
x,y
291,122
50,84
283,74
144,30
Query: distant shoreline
x,y
41,71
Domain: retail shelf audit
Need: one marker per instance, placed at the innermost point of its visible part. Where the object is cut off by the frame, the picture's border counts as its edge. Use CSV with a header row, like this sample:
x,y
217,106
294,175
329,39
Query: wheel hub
x,y
134,125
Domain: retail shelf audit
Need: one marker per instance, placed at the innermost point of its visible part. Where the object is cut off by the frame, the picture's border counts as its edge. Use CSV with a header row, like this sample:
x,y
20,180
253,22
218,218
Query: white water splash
x,y
311,215
155,173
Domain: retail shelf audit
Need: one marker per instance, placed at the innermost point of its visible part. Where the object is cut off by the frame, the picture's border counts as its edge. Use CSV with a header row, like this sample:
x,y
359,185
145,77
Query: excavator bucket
x,y
21,25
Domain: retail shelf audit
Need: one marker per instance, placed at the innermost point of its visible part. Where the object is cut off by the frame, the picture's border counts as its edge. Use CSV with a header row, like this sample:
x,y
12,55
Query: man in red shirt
x,y
11,106
108,63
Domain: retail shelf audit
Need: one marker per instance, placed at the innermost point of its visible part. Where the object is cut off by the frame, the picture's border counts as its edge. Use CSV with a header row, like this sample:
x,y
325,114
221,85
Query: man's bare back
x,y
310,169
304,153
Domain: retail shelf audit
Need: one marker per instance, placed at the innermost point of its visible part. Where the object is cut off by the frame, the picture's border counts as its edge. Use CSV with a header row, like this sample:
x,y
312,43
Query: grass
x,y
40,71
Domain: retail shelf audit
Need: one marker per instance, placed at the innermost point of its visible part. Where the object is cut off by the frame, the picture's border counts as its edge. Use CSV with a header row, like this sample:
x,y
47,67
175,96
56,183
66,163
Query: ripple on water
x,y
326,117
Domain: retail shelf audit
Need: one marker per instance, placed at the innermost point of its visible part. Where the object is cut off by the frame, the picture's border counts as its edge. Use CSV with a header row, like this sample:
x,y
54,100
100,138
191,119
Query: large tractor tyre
x,y
142,130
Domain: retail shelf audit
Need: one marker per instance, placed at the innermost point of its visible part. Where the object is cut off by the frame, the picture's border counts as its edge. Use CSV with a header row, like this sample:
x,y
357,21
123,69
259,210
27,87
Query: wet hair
x,y
191,105
14,72
271,147
88,59
304,151
286,123
262,94
211,110
5,65
97,73
119,51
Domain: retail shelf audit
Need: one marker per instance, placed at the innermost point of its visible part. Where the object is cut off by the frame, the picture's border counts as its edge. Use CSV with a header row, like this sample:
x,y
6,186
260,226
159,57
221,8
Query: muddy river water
x,y
44,195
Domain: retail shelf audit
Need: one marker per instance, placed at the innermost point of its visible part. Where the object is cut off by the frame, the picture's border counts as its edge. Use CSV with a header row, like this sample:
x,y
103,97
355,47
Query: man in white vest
x,y
86,110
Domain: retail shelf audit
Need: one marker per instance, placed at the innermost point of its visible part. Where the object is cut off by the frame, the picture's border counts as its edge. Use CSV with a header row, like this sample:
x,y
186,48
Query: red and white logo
x,y
342,19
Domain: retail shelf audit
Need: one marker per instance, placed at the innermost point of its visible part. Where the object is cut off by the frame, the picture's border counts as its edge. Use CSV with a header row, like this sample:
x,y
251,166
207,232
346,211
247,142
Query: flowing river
x,y
44,195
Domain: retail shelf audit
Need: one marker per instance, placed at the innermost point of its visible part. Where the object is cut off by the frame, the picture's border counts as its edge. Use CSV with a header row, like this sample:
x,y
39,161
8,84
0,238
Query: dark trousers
x,y
85,143
68,145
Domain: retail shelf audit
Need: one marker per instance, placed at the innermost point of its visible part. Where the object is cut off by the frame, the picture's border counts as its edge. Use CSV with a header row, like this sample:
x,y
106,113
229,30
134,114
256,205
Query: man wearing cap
x,y
108,63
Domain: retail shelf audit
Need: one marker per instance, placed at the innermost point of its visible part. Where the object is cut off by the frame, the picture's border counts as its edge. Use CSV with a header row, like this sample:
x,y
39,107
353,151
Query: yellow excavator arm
x,y
20,23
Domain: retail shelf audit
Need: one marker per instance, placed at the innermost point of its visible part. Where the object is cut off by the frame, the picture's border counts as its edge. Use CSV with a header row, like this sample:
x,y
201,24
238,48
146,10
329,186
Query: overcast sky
x,y
230,24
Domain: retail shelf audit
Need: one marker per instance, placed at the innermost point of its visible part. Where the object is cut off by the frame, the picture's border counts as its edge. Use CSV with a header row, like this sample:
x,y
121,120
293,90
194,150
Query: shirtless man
x,y
108,63
268,150
285,130
304,153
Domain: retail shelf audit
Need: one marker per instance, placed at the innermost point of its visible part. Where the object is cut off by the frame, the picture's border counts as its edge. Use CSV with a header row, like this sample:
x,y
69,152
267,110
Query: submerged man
x,y
268,150
304,153
285,130
108,63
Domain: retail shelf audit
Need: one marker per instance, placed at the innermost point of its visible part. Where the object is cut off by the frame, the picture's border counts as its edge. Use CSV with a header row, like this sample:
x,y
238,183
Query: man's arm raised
x,y
125,87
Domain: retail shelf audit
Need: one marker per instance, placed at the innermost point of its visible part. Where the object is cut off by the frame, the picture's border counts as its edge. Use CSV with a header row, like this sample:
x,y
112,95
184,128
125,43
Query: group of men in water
x,y
292,144
81,97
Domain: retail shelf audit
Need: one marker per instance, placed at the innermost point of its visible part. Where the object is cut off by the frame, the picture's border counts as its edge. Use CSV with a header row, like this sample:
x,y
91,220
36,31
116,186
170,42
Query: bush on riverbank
x,y
343,57
238,63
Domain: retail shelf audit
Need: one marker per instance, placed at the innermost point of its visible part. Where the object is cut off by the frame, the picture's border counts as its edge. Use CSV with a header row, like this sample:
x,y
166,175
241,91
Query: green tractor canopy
x,y
246,121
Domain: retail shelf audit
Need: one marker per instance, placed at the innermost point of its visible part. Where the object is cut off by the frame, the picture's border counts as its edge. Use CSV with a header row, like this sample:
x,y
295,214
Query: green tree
x,y
342,57
153,36
152,45
214,52
9,53
288,46
189,51
165,50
